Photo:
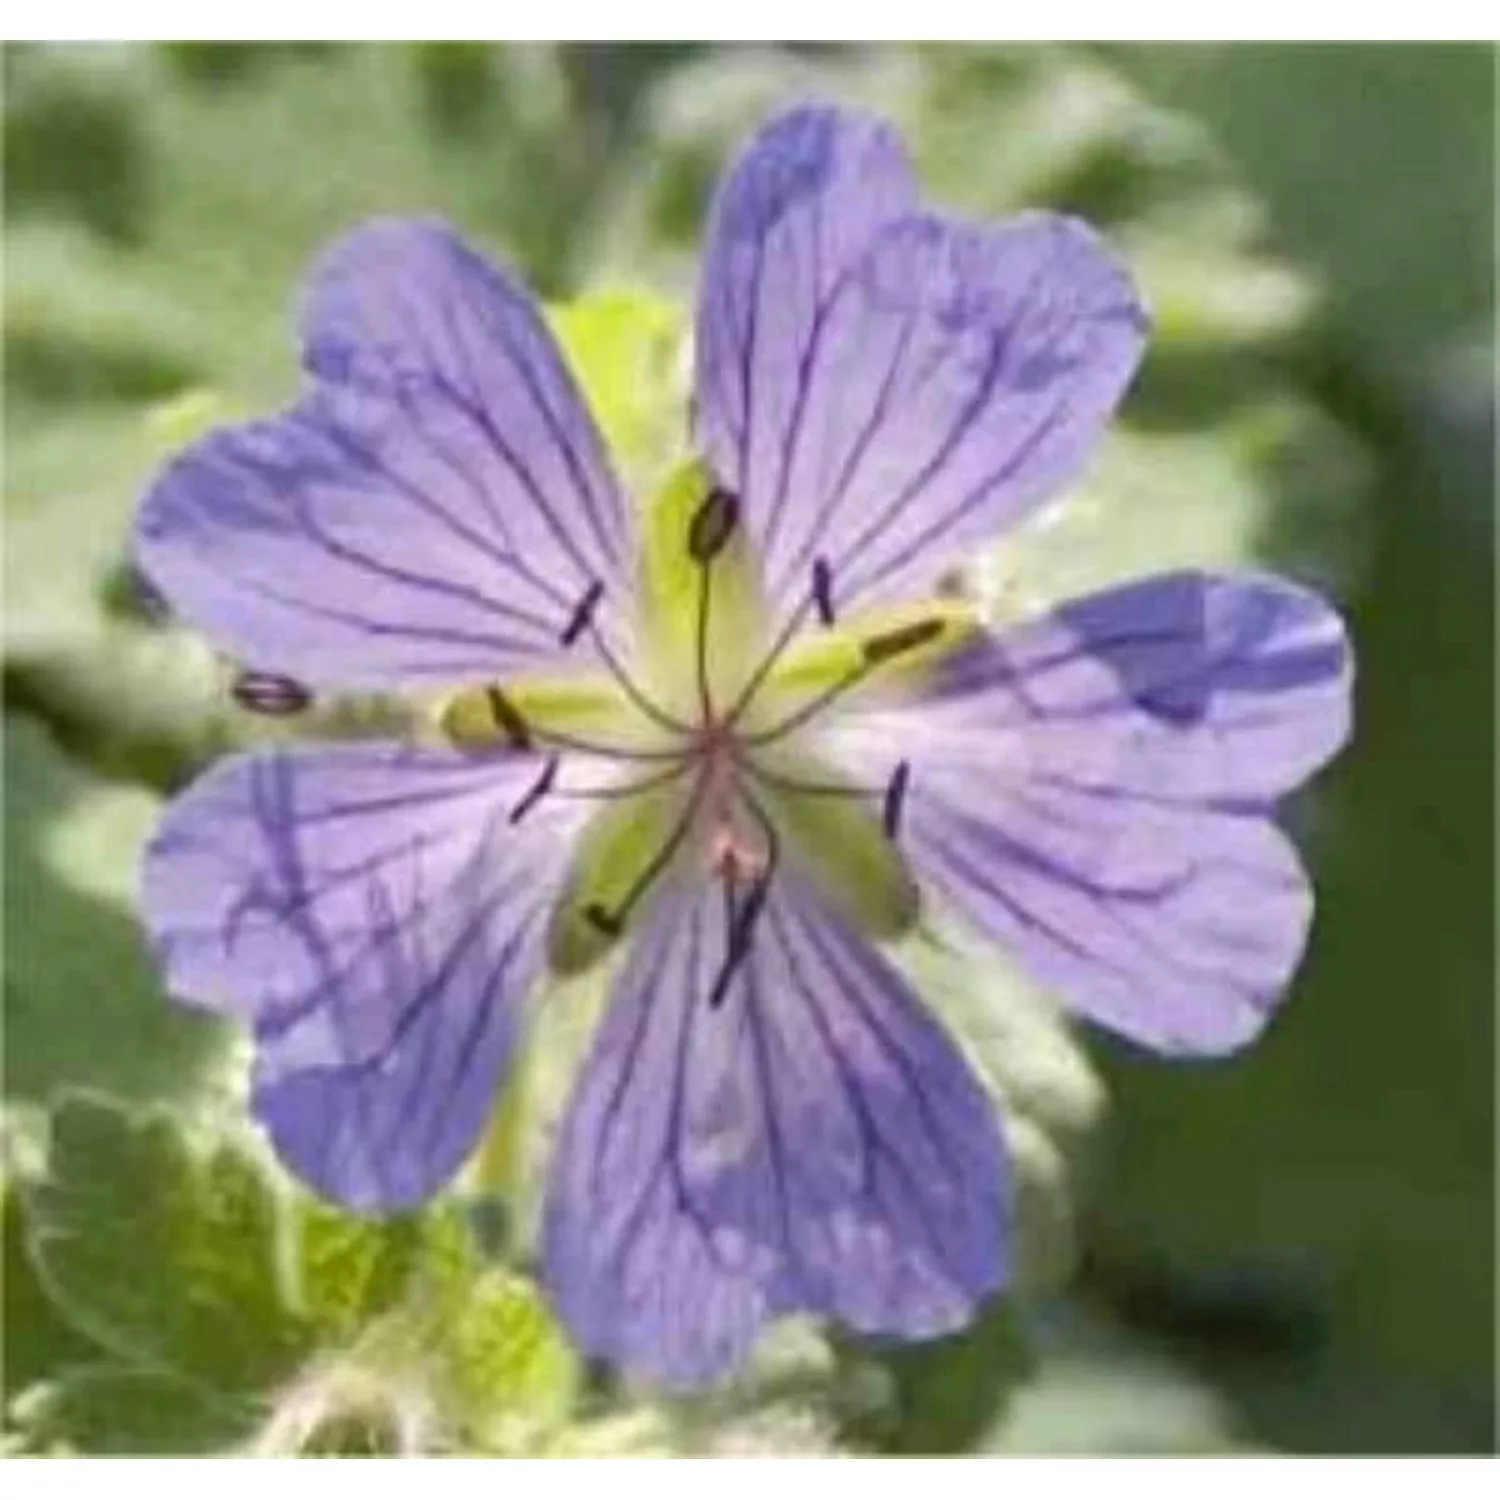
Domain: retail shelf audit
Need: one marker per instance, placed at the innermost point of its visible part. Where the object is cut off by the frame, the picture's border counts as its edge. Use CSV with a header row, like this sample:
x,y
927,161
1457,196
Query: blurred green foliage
x,y
1291,1249
203,1306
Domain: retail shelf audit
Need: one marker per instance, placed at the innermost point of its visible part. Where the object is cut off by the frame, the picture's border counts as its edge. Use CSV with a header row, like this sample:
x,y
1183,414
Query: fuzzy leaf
x,y
509,1372
83,1005
108,1410
196,1227
349,1270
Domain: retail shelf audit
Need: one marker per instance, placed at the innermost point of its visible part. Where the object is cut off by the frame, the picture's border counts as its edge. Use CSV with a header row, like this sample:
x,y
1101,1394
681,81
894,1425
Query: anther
x,y
538,789
881,648
508,718
603,920
895,799
267,693
737,945
822,585
713,524
583,614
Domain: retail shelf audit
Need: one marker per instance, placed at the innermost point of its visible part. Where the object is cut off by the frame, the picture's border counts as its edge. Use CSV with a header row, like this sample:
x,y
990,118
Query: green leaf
x,y
38,1340
170,1268
75,332
71,484
349,1270
509,1372
82,1002
163,1250
108,1410
496,1363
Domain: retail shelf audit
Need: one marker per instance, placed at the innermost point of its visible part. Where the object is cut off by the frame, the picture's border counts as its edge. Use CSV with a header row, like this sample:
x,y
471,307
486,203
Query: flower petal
x,y
813,1143
883,386
1095,789
791,219
434,508
378,917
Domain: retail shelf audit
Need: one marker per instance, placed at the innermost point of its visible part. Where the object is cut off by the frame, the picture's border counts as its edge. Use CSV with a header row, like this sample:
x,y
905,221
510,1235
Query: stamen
x,y
713,524
612,923
809,710
521,734
709,531
705,691
582,619
895,799
508,718
822,576
583,614
794,784
621,791
743,922
536,792
270,694
605,751
874,651
784,638
727,886
632,690
892,643
599,918
737,944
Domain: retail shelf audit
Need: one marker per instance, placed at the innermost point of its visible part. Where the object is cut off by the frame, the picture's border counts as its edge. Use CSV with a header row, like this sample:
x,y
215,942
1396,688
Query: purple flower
x,y
715,742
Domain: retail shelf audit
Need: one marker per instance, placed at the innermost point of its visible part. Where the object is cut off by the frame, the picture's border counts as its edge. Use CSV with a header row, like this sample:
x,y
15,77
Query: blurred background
x,y
1293,1249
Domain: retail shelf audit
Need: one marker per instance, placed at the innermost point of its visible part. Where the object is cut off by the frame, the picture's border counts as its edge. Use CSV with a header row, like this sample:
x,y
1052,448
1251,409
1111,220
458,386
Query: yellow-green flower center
x,y
699,740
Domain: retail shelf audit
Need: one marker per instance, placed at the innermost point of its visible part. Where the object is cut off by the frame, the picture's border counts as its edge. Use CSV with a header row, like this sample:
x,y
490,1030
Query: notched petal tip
x,y
1127,853
1091,258
796,156
812,1143
433,507
884,385
1284,639
329,306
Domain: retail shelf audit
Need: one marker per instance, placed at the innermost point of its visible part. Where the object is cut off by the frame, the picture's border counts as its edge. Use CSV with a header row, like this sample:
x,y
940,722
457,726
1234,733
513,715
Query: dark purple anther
x,y
538,789
603,920
895,799
508,719
712,525
270,694
583,614
891,643
822,583
741,929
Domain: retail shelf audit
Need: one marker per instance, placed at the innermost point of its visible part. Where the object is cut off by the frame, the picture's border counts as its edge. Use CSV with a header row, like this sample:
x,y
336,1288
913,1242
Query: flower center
x,y
700,742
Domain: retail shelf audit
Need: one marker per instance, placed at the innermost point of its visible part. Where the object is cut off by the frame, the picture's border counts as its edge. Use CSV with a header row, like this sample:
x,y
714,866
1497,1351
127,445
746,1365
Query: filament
x,y
613,922
741,924
795,784
705,694
892,795
584,619
621,790
539,789
875,651
773,654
